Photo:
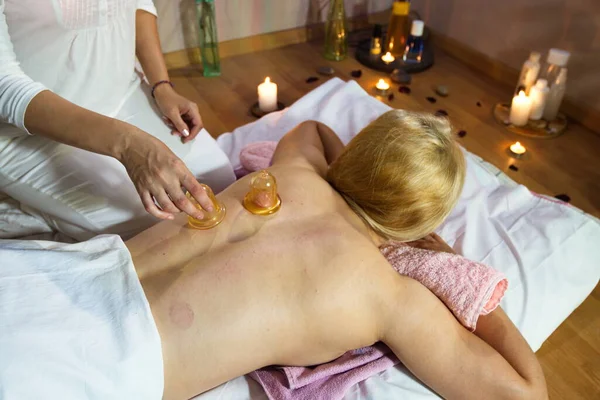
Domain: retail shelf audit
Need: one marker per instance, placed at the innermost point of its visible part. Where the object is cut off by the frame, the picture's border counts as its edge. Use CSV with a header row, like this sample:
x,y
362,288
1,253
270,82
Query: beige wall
x,y
242,18
508,30
505,30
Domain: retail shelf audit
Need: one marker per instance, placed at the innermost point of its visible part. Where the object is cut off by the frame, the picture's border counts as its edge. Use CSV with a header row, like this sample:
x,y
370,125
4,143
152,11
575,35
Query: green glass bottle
x,y
336,32
207,37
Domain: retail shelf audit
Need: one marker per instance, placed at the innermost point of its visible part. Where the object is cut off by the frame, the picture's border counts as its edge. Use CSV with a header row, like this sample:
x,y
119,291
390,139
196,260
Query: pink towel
x,y
326,381
469,289
254,157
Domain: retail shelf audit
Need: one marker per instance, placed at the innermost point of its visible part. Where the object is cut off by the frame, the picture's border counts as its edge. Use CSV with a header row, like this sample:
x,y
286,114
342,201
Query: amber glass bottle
x,y
398,29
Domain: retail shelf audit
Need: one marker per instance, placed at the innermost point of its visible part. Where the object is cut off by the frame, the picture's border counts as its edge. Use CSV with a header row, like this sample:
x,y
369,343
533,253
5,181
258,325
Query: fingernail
x,y
186,133
171,217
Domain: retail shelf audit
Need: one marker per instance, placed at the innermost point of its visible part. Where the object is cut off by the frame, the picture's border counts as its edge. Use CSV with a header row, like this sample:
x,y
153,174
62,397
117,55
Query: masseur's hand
x,y
160,177
432,242
180,114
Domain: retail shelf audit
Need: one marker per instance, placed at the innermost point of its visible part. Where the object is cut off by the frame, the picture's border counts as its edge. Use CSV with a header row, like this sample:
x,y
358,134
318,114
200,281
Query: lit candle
x,y
388,58
382,85
267,95
520,109
518,149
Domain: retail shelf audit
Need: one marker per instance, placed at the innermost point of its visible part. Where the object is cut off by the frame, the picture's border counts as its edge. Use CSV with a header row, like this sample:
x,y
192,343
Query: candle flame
x,y
388,57
517,148
522,94
382,85
267,79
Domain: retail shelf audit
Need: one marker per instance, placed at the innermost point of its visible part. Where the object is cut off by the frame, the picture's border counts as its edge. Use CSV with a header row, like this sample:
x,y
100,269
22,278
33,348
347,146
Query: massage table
x,y
547,249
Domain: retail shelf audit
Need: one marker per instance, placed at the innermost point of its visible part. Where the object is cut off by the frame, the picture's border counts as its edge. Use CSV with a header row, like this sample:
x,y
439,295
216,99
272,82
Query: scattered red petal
x,y
404,89
312,79
462,133
357,73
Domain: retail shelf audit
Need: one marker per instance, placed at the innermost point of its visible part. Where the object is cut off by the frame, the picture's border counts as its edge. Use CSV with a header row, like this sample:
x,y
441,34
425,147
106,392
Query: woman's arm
x,y
182,113
156,172
452,361
498,331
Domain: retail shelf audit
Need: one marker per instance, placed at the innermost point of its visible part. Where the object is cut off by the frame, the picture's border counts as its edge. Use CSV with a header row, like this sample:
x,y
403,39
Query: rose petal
x,y
513,167
404,89
462,133
357,73
431,99
312,79
563,197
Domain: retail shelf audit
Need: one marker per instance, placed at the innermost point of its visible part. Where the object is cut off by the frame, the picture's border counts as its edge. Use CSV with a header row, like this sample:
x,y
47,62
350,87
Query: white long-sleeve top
x,y
83,50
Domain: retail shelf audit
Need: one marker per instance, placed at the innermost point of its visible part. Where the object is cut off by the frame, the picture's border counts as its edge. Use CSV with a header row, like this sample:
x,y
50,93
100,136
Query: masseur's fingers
x,y
165,202
194,121
151,208
175,118
184,204
197,192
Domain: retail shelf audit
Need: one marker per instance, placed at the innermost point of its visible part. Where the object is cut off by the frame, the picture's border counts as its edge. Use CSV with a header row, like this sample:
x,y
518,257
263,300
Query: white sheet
x,y
548,250
75,323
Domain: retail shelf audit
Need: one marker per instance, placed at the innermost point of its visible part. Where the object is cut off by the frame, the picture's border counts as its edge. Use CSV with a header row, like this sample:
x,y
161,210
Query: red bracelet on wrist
x,y
159,83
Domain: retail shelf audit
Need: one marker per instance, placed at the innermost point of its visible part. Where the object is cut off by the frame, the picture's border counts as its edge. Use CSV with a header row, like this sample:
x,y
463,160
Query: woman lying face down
x,y
308,283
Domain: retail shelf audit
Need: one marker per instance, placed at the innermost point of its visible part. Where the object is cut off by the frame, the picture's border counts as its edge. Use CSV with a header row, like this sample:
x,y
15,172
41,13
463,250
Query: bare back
x,y
299,287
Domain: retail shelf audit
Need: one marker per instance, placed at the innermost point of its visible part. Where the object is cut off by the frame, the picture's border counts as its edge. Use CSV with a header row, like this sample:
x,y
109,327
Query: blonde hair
x,y
402,174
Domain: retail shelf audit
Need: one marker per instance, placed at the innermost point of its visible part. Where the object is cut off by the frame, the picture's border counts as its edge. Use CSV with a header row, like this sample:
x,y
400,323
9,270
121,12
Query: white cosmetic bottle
x,y
555,96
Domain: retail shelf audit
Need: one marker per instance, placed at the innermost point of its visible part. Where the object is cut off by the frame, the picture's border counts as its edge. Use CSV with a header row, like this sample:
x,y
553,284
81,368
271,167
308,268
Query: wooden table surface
x,y
569,164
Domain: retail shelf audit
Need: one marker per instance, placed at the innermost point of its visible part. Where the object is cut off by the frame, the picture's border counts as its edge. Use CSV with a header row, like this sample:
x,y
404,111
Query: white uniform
x,y
84,51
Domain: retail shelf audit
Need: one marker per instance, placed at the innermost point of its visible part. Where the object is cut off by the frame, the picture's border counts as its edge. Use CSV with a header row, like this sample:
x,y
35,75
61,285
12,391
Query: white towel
x,y
75,323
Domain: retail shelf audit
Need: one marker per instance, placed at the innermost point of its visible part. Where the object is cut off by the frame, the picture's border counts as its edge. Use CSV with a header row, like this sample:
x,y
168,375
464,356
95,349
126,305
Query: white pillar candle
x,y
520,109
538,95
267,95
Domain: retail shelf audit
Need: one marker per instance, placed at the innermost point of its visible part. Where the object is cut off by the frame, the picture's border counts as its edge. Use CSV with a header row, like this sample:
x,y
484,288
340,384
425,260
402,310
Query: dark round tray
x,y
258,113
364,56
